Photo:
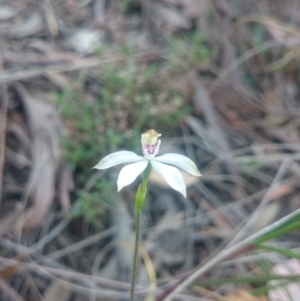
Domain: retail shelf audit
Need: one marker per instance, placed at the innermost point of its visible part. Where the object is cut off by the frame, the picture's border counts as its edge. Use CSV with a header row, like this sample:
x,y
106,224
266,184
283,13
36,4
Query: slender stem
x,y
135,255
139,204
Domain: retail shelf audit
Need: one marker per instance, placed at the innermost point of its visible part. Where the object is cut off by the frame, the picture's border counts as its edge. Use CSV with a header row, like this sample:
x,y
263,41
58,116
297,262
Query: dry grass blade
x,y
229,57
223,70
16,75
3,114
65,185
73,276
286,34
260,212
243,246
203,102
8,291
82,244
9,76
219,219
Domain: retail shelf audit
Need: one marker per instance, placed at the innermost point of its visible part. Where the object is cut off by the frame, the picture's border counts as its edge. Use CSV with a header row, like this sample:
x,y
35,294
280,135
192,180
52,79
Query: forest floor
x,y
83,78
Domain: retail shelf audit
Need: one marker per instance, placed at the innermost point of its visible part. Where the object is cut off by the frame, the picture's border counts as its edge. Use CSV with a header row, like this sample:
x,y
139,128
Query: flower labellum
x,y
164,164
150,144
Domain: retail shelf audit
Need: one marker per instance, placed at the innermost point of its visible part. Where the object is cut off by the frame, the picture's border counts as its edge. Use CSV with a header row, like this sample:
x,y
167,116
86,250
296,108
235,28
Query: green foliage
x,y
189,51
100,50
241,280
278,229
131,98
281,251
288,226
258,34
251,165
91,206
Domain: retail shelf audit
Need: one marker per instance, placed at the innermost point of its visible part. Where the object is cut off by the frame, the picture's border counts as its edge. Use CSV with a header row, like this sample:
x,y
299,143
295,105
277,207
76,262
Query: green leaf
x,y
253,280
280,251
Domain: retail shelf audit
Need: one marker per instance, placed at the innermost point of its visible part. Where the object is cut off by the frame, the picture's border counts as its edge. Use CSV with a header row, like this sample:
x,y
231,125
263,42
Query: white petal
x,y
118,158
130,172
171,175
180,161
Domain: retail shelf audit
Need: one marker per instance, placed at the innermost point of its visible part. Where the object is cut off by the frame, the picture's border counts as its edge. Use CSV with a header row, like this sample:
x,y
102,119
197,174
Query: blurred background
x,y
83,78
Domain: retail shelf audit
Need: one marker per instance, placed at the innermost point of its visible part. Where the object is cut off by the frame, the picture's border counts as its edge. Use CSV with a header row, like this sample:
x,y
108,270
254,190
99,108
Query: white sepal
x,y
180,161
130,172
171,175
118,158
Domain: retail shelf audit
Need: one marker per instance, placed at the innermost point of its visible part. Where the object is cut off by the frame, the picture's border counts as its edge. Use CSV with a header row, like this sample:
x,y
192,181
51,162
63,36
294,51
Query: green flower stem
x,y
135,255
139,204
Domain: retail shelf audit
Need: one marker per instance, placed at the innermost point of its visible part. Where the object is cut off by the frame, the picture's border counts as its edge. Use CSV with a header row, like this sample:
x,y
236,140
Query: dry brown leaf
x,y
65,185
168,18
269,214
235,107
7,12
242,295
283,33
16,127
282,190
50,17
59,80
8,222
7,272
46,155
57,291
28,28
290,292
195,8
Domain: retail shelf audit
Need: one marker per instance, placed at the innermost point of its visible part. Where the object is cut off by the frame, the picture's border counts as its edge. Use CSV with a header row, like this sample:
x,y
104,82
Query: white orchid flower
x,y
150,146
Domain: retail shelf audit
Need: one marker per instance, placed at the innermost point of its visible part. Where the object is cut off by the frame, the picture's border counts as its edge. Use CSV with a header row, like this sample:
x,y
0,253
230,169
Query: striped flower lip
x,y
137,164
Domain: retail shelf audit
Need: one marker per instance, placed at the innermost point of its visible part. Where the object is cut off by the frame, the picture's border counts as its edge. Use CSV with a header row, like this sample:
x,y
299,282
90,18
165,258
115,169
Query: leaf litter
x,y
240,85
